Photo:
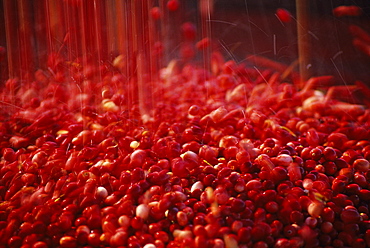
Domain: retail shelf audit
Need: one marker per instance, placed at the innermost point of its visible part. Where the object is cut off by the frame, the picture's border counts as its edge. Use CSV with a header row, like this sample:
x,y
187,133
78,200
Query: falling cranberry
x,y
173,5
283,15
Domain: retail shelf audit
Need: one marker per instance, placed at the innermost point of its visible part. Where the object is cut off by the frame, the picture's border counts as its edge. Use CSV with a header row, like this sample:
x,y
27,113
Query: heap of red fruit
x,y
232,157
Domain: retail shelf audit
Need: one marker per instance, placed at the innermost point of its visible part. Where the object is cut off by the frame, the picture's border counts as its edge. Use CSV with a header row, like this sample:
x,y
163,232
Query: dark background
x,y
250,27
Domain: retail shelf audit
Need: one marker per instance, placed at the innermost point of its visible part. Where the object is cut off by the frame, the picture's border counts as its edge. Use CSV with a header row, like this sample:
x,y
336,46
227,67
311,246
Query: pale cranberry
x,y
361,165
40,244
315,208
68,242
253,185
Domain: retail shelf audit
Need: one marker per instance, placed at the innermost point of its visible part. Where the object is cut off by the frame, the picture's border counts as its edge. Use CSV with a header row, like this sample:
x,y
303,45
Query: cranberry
x,y
361,165
296,217
316,154
350,215
284,16
173,5
260,231
68,242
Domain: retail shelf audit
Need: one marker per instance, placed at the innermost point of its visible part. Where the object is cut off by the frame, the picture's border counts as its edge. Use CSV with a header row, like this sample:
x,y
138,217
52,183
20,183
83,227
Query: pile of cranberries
x,y
234,156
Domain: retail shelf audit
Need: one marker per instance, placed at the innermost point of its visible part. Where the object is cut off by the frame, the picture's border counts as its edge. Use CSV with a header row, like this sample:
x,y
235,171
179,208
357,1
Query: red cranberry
x,y
350,215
